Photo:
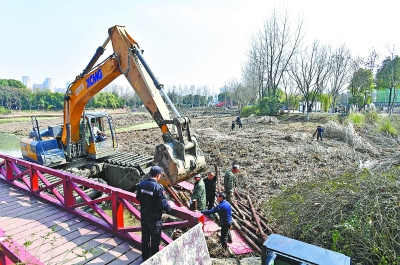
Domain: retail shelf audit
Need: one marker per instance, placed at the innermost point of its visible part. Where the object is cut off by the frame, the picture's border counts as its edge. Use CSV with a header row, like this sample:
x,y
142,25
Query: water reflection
x,y
9,144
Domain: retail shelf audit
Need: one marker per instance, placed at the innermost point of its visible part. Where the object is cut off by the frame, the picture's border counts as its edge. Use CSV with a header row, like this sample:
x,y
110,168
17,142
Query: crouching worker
x,y
150,194
225,216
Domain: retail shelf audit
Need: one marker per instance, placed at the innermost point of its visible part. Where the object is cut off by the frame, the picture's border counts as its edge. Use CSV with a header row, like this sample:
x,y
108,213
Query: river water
x,y
9,144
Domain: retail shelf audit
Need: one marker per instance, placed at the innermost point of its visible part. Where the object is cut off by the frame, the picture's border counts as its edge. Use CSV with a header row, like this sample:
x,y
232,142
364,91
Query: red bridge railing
x,y
67,188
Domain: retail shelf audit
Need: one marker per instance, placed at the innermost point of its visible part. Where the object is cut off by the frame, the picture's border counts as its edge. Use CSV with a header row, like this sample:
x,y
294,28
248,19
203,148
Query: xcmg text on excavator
x,y
74,144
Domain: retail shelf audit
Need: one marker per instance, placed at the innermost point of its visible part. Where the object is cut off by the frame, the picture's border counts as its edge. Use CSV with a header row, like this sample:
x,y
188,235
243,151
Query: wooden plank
x,y
24,220
45,223
73,246
18,212
129,255
65,229
64,246
106,243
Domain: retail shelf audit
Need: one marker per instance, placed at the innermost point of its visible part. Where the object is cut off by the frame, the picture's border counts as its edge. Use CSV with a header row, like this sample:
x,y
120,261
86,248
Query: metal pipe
x,y
99,52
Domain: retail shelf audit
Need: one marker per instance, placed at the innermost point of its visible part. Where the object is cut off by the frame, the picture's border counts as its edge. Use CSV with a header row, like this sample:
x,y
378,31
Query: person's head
x,y
235,168
220,196
210,175
197,177
156,172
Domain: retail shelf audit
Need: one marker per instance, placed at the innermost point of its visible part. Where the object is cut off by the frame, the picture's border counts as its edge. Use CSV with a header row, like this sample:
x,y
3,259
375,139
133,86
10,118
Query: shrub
x,y
248,110
4,111
356,118
269,106
356,214
385,126
372,116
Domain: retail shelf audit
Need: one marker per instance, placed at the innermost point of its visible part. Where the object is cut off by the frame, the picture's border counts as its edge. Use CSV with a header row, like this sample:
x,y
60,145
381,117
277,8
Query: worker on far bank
x,y
319,132
239,121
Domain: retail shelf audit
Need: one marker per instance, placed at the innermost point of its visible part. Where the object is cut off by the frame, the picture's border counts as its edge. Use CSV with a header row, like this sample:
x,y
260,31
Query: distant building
x,y
382,97
47,84
27,82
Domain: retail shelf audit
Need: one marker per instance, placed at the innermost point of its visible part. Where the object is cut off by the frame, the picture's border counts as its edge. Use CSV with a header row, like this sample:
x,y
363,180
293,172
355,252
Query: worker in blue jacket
x,y
150,194
319,131
225,216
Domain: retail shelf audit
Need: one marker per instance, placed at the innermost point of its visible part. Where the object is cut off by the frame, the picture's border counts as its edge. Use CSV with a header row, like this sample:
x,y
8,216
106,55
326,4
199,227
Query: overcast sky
x,y
185,42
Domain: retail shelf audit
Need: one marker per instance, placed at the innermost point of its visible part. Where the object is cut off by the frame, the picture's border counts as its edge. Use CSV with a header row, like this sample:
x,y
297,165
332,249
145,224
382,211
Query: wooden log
x,y
253,237
185,200
246,238
194,205
217,175
234,205
238,195
249,225
255,215
173,194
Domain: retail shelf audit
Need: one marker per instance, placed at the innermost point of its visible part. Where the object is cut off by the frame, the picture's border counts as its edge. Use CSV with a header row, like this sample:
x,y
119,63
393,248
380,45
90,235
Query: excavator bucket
x,y
179,162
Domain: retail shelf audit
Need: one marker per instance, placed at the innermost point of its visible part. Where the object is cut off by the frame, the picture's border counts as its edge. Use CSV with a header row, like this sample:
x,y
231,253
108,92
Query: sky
x,y
200,43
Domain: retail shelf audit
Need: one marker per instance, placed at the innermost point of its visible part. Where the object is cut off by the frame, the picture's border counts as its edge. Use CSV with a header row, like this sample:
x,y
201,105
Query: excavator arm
x,y
179,155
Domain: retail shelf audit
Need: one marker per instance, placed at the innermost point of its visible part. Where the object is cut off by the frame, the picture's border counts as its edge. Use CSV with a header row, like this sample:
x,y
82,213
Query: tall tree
x,y
341,72
361,87
271,51
310,71
388,76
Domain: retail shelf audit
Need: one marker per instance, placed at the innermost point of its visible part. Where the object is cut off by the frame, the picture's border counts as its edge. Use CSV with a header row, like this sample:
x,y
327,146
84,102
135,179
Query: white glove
x,y
191,201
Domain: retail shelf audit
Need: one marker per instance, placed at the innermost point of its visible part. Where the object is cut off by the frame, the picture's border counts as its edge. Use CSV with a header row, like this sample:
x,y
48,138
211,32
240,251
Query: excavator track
x,y
130,160
126,170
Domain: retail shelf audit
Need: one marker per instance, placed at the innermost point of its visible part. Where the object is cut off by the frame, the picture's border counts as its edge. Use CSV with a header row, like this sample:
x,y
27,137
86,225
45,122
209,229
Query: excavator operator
x,y
99,135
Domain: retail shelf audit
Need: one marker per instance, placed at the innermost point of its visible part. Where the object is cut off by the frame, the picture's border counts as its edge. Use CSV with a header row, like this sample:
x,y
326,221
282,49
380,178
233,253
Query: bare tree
x,y
271,52
291,91
192,91
341,72
310,71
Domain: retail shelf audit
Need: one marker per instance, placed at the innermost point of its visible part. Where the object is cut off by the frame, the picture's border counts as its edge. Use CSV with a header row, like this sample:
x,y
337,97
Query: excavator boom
x,y
179,155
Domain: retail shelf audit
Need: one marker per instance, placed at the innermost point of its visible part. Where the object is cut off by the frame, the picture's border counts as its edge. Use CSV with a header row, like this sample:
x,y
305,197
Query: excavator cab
x,y
99,135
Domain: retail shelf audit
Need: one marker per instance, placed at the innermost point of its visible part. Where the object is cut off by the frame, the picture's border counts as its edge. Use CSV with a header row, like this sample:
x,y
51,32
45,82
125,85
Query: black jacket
x,y
152,200
210,185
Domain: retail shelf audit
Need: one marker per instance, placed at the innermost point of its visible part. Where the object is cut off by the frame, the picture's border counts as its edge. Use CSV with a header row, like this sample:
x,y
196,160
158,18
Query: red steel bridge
x,y
46,217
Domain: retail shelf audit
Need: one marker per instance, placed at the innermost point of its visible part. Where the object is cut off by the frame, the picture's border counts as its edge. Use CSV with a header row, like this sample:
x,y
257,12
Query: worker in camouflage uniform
x,y
199,193
230,183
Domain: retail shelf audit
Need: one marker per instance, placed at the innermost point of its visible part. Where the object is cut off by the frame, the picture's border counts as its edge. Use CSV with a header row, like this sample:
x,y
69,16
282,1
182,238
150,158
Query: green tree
x,y
362,84
11,83
388,76
326,100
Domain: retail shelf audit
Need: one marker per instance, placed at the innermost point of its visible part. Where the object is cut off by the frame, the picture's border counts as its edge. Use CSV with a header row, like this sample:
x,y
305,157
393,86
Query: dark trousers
x,y
224,234
151,237
210,199
319,135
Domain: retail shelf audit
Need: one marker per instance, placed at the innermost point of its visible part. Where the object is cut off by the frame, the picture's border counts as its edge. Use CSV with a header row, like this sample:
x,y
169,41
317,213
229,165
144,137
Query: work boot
x,y
229,237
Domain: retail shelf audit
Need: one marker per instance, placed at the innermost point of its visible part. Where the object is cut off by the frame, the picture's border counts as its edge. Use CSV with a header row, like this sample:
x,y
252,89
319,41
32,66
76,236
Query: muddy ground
x,y
273,152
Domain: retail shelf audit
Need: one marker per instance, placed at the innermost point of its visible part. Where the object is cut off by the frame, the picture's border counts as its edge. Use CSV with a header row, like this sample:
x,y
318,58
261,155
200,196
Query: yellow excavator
x,y
74,142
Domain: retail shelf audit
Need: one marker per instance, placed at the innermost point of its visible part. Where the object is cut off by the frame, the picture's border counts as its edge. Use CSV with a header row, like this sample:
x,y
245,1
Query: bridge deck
x,y
54,236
